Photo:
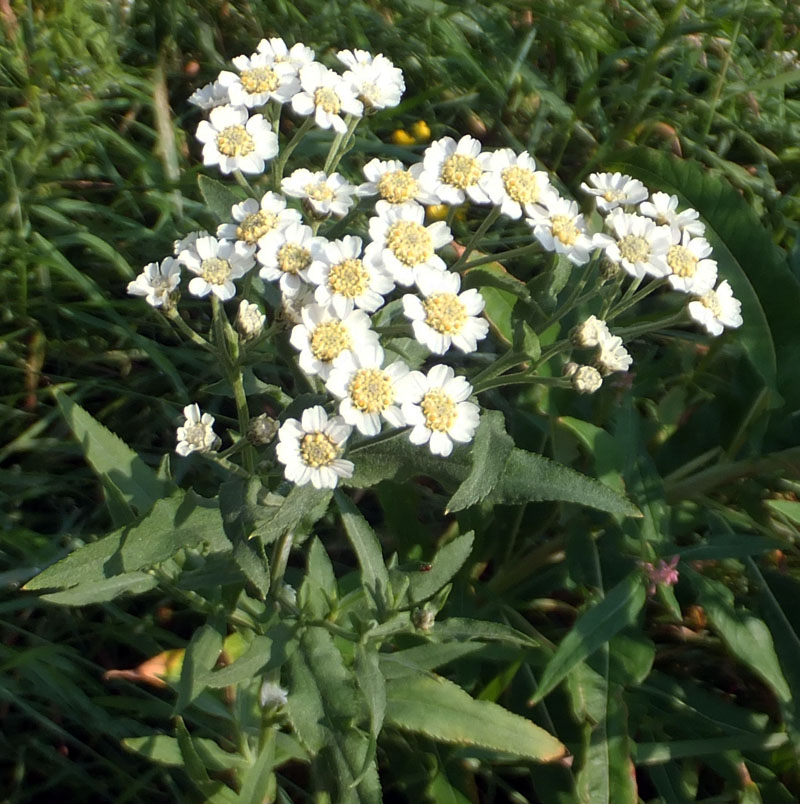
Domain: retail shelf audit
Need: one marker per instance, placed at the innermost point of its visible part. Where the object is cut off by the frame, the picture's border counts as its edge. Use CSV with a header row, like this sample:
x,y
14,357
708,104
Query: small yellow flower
x,y
421,131
437,212
401,137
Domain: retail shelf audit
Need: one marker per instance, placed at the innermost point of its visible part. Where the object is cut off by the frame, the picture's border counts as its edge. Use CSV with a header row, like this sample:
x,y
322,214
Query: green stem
x,y
280,162
509,359
503,255
227,465
556,349
280,558
175,318
242,181
631,297
341,145
473,241
520,378
574,298
634,331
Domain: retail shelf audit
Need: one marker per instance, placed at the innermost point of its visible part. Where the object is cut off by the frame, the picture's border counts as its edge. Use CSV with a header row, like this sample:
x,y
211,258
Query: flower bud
x,y
250,321
423,618
592,332
261,429
586,380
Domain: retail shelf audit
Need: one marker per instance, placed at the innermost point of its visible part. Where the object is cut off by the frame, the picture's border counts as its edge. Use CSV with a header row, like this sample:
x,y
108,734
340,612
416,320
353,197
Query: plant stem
x,y
509,359
175,318
520,378
280,162
473,241
634,331
514,252
280,558
341,145
631,297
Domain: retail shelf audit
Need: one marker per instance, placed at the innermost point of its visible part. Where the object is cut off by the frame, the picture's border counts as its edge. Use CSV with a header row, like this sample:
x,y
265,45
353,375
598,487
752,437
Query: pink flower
x,y
662,573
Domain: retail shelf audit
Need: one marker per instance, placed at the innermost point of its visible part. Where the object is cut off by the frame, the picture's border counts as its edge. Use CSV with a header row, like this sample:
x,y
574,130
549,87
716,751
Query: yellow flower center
x,y
235,141
564,228
371,390
397,186
327,99
329,340
682,261
317,449
444,313
614,195
259,79
349,278
215,271
255,226
293,258
461,171
634,248
521,184
409,242
439,410
711,302
319,191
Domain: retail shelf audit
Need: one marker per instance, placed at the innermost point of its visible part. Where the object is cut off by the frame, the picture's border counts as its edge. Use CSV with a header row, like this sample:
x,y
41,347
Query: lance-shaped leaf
x,y
446,563
440,709
219,197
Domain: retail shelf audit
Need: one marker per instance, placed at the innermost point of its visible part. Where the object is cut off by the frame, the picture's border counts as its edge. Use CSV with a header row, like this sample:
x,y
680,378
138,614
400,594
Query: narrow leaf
x,y
102,591
219,197
447,562
202,653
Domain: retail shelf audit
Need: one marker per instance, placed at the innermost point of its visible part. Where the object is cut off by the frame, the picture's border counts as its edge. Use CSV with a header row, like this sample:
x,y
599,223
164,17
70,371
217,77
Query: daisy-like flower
x,y
436,406
287,255
559,226
310,449
250,320
377,82
394,183
640,246
253,220
692,271
217,263
453,170
614,190
210,96
717,309
275,49
592,332
586,379
613,356
156,282
663,209
445,316
403,245
234,140
259,81
326,95
368,392
197,433
322,336
325,194
512,182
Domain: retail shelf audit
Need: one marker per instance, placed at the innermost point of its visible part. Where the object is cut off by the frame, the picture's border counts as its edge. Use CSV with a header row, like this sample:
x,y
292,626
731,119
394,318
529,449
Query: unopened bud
x,y
261,429
272,695
424,618
250,321
586,380
570,368
592,332
608,269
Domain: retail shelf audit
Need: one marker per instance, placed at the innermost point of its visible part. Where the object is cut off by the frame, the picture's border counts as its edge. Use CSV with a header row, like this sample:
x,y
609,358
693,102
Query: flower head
x,y
234,140
592,332
253,220
638,244
586,379
717,309
260,79
376,81
453,170
558,225
512,182
663,573
217,263
157,282
210,96
276,50
327,96
614,190
287,255
394,183
613,356
324,194
310,449
435,405
692,271
663,209
197,433
250,320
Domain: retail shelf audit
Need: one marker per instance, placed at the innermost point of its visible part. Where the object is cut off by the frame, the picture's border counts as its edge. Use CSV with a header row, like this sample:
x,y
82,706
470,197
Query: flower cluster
x,y
333,287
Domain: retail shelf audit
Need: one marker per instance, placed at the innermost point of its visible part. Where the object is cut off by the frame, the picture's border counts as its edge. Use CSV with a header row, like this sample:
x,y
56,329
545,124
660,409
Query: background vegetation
x,y
98,169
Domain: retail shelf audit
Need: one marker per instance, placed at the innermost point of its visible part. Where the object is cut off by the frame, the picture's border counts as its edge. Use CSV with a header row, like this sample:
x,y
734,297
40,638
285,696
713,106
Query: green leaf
x,y
302,506
462,629
789,508
263,653
173,524
439,709
219,197
425,657
258,779
490,452
447,562
318,591
593,629
370,680
110,457
202,654
196,769
165,750
102,591
374,575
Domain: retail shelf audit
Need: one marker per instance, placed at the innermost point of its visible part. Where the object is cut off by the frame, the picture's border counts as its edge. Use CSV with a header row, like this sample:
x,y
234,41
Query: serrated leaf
x,y
592,630
102,591
300,506
219,197
173,524
372,684
463,629
490,451
110,457
425,657
440,709
446,563
494,275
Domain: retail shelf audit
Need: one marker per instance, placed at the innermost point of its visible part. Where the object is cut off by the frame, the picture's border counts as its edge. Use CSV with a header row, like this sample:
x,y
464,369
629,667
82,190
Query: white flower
x,y
235,141
403,245
217,263
558,225
717,309
592,332
272,695
436,406
453,170
395,183
614,190
446,316
326,95
346,281
210,96
326,194
613,356
377,82
322,336
276,50
692,271
310,449
512,182
197,433
254,220
287,255
663,209
639,245
586,379
368,391
156,282
250,320
260,80
187,242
